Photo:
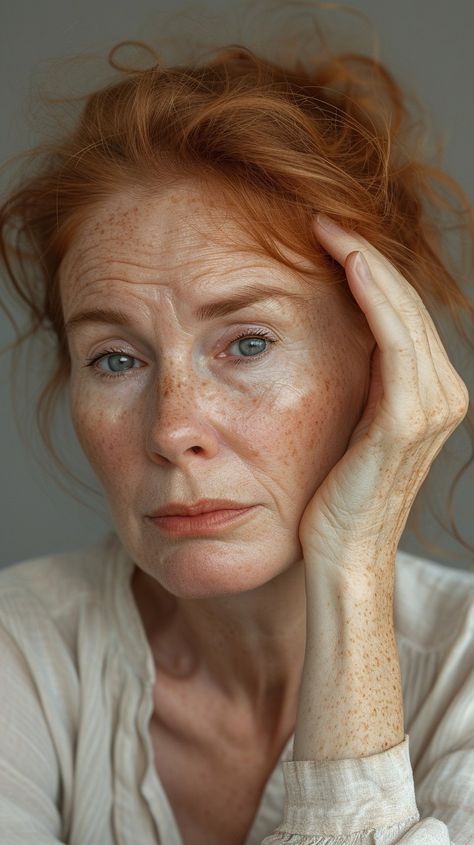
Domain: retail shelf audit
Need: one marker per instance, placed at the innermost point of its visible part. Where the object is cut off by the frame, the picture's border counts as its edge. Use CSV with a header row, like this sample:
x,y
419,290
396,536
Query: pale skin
x,y
330,433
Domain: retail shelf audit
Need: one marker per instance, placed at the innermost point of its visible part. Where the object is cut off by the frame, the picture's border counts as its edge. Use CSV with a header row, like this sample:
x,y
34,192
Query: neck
x,y
248,646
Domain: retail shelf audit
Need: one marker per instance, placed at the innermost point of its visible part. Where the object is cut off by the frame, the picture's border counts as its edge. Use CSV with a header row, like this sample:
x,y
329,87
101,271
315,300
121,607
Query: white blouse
x,y
76,759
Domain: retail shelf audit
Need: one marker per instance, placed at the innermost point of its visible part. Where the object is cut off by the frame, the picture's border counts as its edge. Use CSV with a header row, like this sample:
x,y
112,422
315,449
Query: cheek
x,y
105,436
311,425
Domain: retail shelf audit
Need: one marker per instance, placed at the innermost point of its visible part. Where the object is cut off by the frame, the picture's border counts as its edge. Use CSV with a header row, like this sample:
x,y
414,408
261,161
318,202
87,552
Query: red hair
x,y
281,140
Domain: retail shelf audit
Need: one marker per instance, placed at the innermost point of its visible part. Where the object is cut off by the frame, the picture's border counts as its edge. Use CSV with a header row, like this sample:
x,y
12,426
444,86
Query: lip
x,y
202,506
202,523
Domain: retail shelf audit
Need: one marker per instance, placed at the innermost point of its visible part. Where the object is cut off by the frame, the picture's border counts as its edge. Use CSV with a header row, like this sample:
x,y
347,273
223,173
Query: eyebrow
x,y
241,298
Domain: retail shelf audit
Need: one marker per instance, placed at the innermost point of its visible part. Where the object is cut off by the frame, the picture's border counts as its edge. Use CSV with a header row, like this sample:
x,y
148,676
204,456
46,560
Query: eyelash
x,y
90,362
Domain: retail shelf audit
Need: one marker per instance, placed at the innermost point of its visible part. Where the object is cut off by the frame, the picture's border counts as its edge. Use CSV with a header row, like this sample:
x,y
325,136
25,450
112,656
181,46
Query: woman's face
x,y
190,412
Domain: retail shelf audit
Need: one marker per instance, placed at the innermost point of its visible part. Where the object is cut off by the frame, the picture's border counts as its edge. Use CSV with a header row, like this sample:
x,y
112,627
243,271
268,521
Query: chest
x,y
212,801
213,784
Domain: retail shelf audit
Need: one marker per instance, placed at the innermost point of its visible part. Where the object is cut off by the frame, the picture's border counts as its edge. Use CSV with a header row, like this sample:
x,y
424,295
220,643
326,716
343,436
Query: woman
x,y
234,261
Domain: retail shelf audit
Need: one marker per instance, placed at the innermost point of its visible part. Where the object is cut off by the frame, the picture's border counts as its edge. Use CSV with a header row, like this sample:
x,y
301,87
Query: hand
x,y
416,400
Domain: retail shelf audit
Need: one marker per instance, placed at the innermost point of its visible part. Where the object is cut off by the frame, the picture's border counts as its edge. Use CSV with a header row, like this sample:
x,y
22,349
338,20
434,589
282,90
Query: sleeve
x,y
444,770
29,770
372,799
365,801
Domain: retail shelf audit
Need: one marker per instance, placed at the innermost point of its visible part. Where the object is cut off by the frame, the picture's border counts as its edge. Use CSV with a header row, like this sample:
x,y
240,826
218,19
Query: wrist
x,y
344,596
350,701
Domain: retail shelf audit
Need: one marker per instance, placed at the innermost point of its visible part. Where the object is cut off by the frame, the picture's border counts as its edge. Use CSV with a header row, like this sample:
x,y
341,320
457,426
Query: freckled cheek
x,y
304,430
105,437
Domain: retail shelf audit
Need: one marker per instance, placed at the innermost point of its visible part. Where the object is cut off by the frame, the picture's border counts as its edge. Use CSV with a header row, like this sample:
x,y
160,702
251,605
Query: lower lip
x,y
203,523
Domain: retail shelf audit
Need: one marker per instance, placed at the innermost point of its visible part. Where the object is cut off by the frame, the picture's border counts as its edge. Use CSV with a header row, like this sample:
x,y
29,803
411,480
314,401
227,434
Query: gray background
x,y
426,44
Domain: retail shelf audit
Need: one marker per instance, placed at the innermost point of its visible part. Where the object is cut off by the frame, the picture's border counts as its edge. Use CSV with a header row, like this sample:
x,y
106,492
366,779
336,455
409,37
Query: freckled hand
x,y
350,699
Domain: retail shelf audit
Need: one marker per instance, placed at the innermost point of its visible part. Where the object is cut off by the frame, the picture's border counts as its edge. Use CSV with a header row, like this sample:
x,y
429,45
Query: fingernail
x,y
328,224
362,268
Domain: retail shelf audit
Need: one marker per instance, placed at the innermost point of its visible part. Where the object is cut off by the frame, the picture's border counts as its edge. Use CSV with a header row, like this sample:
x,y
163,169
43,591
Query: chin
x,y
202,570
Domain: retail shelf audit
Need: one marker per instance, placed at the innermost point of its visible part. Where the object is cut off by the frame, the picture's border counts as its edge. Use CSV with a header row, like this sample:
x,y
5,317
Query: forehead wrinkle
x,y
197,276
151,305
208,271
230,261
95,265
216,307
154,251
212,241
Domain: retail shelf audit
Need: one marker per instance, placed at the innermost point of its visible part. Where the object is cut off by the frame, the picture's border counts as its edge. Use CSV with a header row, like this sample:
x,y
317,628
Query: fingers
x,y
340,243
394,288
403,296
418,377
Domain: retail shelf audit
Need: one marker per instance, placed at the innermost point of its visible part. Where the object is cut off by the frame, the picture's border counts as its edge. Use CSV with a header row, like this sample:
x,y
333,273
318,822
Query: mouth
x,y
201,506
201,523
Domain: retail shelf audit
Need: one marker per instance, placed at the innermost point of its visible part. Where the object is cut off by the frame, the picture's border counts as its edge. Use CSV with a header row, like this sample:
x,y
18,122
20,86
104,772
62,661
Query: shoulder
x,y
51,583
54,610
434,603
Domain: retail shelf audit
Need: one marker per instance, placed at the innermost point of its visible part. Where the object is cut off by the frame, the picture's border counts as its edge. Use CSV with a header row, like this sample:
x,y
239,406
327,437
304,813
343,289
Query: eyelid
x,y
237,334
147,350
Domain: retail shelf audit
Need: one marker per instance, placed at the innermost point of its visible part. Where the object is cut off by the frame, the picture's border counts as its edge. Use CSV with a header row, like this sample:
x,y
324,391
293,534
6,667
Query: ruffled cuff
x,y
338,797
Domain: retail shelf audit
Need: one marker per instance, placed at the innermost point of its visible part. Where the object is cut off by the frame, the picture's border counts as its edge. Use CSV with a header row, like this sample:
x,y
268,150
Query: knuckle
x,y
414,428
440,419
463,397
409,307
459,401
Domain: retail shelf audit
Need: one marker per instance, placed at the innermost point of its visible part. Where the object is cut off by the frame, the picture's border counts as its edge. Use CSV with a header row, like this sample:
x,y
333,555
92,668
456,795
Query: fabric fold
x,y
347,796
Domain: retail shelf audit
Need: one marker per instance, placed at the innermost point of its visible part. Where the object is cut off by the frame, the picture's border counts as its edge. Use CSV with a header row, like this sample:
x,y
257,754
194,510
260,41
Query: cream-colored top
x,y
76,760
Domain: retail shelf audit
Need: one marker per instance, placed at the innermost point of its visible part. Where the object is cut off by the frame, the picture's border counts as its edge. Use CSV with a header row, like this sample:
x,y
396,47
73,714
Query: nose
x,y
178,424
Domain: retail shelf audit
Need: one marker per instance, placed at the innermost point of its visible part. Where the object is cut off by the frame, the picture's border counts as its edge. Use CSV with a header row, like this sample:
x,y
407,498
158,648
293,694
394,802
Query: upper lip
x,y
202,506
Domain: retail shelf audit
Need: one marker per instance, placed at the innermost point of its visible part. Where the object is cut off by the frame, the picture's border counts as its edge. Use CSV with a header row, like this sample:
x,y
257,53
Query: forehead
x,y
181,234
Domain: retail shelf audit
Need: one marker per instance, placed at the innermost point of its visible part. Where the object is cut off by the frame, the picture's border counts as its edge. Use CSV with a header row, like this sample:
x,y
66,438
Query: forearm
x,y
350,701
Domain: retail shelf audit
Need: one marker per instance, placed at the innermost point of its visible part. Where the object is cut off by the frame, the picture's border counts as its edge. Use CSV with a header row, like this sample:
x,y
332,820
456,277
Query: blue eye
x,y
255,341
121,360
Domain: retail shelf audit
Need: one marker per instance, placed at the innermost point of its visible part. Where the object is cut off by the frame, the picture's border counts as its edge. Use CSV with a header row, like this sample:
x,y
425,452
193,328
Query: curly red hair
x,y
281,141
